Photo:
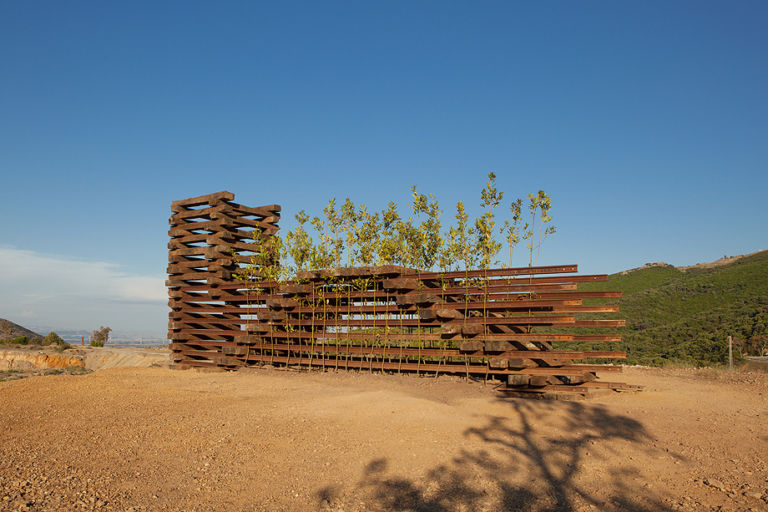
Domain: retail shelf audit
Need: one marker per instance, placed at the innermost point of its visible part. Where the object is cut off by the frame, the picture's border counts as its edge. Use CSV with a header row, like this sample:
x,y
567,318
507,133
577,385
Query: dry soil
x,y
159,439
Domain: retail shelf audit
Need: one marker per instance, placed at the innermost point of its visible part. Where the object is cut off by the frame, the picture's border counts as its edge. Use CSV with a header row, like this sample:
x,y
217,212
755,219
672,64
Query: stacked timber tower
x,y
502,325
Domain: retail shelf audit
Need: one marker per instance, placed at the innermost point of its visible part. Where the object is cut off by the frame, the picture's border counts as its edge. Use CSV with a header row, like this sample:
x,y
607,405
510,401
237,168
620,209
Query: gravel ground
x,y
157,439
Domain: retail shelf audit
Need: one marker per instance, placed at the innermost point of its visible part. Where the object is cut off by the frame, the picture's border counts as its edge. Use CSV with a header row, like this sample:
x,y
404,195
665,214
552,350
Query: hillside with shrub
x,y
684,316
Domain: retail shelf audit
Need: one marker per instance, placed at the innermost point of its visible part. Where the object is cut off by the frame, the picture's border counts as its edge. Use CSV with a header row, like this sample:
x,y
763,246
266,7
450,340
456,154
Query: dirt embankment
x,y
158,439
24,358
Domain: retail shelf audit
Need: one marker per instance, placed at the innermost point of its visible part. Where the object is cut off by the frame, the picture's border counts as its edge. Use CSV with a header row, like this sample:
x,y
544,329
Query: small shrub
x,y
96,343
54,339
20,340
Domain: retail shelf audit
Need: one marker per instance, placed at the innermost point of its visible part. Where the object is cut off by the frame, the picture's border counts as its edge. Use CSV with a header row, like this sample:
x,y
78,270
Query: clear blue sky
x,y
646,122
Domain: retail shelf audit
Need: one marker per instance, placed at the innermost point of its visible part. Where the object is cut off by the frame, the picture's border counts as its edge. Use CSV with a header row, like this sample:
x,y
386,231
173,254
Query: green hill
x,y
684,316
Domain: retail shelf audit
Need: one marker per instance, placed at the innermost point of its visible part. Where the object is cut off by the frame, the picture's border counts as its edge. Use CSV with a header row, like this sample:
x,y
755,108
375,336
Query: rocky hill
x,y
10,330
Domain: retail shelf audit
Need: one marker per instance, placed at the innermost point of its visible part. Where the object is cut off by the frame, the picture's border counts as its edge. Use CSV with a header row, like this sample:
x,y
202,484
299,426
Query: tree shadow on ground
x,y
528,460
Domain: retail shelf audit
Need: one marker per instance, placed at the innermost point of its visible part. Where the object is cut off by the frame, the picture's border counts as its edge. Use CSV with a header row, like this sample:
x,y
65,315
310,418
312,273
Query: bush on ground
x,y
54,339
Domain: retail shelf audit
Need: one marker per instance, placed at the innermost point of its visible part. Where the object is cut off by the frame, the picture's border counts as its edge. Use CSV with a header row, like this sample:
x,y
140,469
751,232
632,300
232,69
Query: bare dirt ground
x,y
159,439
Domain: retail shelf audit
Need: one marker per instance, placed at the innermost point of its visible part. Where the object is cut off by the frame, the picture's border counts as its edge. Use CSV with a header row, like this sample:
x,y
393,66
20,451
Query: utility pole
x,y
730,352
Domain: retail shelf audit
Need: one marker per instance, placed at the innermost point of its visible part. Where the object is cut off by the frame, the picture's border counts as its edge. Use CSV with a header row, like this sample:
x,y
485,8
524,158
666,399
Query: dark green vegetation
x,y
684,317
14,334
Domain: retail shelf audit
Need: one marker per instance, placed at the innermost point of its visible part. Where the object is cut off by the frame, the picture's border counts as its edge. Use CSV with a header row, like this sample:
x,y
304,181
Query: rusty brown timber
x,y
492,324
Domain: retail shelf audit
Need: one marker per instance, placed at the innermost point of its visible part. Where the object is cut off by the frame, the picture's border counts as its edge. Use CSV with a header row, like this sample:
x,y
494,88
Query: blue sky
x,y
646,122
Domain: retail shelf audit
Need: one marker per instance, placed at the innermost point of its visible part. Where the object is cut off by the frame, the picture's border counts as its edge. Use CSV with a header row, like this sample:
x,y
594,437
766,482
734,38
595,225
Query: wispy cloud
x,y
72,293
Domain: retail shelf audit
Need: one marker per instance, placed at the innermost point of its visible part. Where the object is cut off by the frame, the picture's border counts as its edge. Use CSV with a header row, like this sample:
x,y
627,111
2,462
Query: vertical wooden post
x,y
730,352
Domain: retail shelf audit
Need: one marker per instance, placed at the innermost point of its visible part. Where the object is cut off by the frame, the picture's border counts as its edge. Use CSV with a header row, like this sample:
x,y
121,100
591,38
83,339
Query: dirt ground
x,y
159,439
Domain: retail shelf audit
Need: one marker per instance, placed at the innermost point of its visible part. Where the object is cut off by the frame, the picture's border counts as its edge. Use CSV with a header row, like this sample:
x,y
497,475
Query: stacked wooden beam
x,y
502,324
209,235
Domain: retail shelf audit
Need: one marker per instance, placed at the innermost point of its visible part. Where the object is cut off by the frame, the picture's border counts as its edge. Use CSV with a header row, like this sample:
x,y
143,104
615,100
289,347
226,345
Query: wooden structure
x,y
489,324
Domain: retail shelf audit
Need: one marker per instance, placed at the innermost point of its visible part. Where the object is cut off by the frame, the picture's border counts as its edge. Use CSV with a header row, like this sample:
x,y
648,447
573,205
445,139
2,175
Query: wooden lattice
x,y
489,324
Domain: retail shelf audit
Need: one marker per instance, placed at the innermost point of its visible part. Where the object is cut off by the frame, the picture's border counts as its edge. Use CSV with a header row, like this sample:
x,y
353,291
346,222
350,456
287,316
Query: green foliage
x,y
464,251
486,245
367,236
349,220
423,239
676,316
54,339
100,336
511,230
538,206
391,245
352,235
299,242
333,225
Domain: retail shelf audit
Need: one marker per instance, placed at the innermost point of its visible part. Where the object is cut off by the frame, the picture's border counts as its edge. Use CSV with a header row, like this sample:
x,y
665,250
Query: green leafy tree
x,y
431,233
333,226
100,336
487,246
464,248
349,221
407,243
446,259
299,242
390,246
367,236
538,206
511,230
320,256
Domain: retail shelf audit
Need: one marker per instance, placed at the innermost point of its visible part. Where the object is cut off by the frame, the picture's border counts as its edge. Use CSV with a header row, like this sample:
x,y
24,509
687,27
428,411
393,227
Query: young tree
x,y
407,243
487,246
446,256
100,336
299,242
333,225
349,220
511,230
432,236
424,239
544,207
533,208
367,236
320,256
414,234
276,251
390,245
464,250
538,206
540,203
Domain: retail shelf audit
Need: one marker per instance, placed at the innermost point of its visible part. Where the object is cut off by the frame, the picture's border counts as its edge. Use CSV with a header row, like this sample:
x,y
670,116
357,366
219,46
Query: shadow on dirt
x,y
528,460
